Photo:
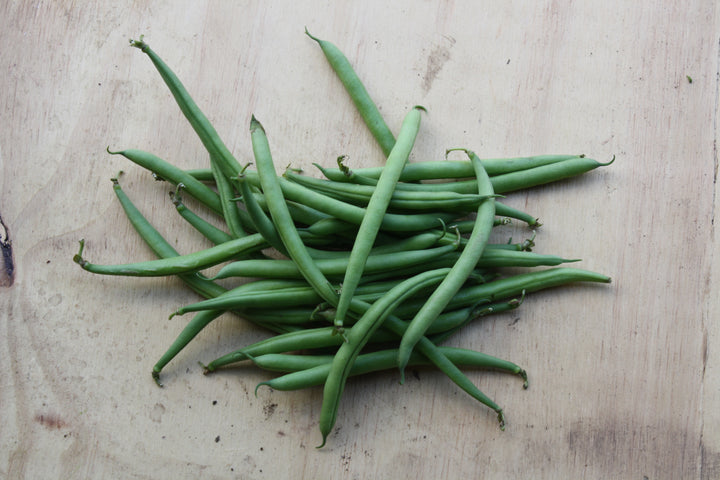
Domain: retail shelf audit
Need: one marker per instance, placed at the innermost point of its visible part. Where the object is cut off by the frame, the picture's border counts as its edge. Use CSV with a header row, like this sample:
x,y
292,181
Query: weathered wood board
x,y
624,378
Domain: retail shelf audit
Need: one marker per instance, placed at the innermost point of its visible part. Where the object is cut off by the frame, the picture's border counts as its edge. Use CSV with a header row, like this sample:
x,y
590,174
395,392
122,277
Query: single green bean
x,y
335,267
375,211
188,263
359,95
400,200
281,216
358,336
199,122
208,230
451,169
229,206
306,339
311,370
466,262
511,182
512,286
199,322
173,174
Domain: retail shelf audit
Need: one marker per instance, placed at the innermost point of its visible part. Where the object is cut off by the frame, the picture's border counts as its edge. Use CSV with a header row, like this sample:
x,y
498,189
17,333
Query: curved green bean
x,y
312,370
199,122
359,335
466,262
188,263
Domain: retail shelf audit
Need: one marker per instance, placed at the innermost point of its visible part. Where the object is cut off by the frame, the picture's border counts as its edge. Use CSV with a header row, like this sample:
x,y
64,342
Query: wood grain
x,y
624,379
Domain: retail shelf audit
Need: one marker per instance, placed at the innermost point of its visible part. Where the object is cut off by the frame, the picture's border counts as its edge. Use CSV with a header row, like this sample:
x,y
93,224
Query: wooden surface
x,y
624,378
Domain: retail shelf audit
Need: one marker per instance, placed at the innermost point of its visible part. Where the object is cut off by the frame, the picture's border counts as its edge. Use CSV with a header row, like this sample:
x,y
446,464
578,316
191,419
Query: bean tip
x,y
501,419
324,439
156,377
608,163
78,258
523,375
307,32
140,43
258,386
206,368
255,124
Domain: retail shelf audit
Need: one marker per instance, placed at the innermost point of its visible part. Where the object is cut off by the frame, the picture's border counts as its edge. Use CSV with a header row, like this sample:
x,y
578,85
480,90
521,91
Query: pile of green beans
x,y
360,270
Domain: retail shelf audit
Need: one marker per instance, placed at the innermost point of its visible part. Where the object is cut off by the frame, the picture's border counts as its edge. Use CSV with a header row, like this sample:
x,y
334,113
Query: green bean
x,y
506,211
281,216
511,182
359,335
359,95
208,230
201,174
512,286
306,339
197,283
354,214
159,245
263,224
335,267
199,322
311,370
375,211
451,169
467,261
292,315
437,358
229,207
400,199
504,183
173,174
287,297
199,122
188,263
501,257
479,311
420,241
293,293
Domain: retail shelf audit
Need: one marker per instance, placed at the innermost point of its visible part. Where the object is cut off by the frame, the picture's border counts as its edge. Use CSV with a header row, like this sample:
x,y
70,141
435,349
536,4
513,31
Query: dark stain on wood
x,y
7,266
49,421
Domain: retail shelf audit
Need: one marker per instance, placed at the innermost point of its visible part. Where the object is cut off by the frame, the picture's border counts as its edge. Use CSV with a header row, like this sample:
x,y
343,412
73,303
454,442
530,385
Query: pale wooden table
x,y
624,379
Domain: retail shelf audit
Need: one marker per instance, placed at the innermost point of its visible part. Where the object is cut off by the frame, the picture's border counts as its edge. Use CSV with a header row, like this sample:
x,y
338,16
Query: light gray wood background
x,y
624,378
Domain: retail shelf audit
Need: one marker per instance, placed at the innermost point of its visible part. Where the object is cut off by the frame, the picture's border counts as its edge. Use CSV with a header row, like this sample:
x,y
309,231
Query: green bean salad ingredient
x,y
348,272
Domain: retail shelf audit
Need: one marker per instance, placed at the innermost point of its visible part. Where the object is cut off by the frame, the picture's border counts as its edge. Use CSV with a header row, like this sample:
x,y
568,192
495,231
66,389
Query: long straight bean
x,y
173,174
375,211
281,216
208,230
